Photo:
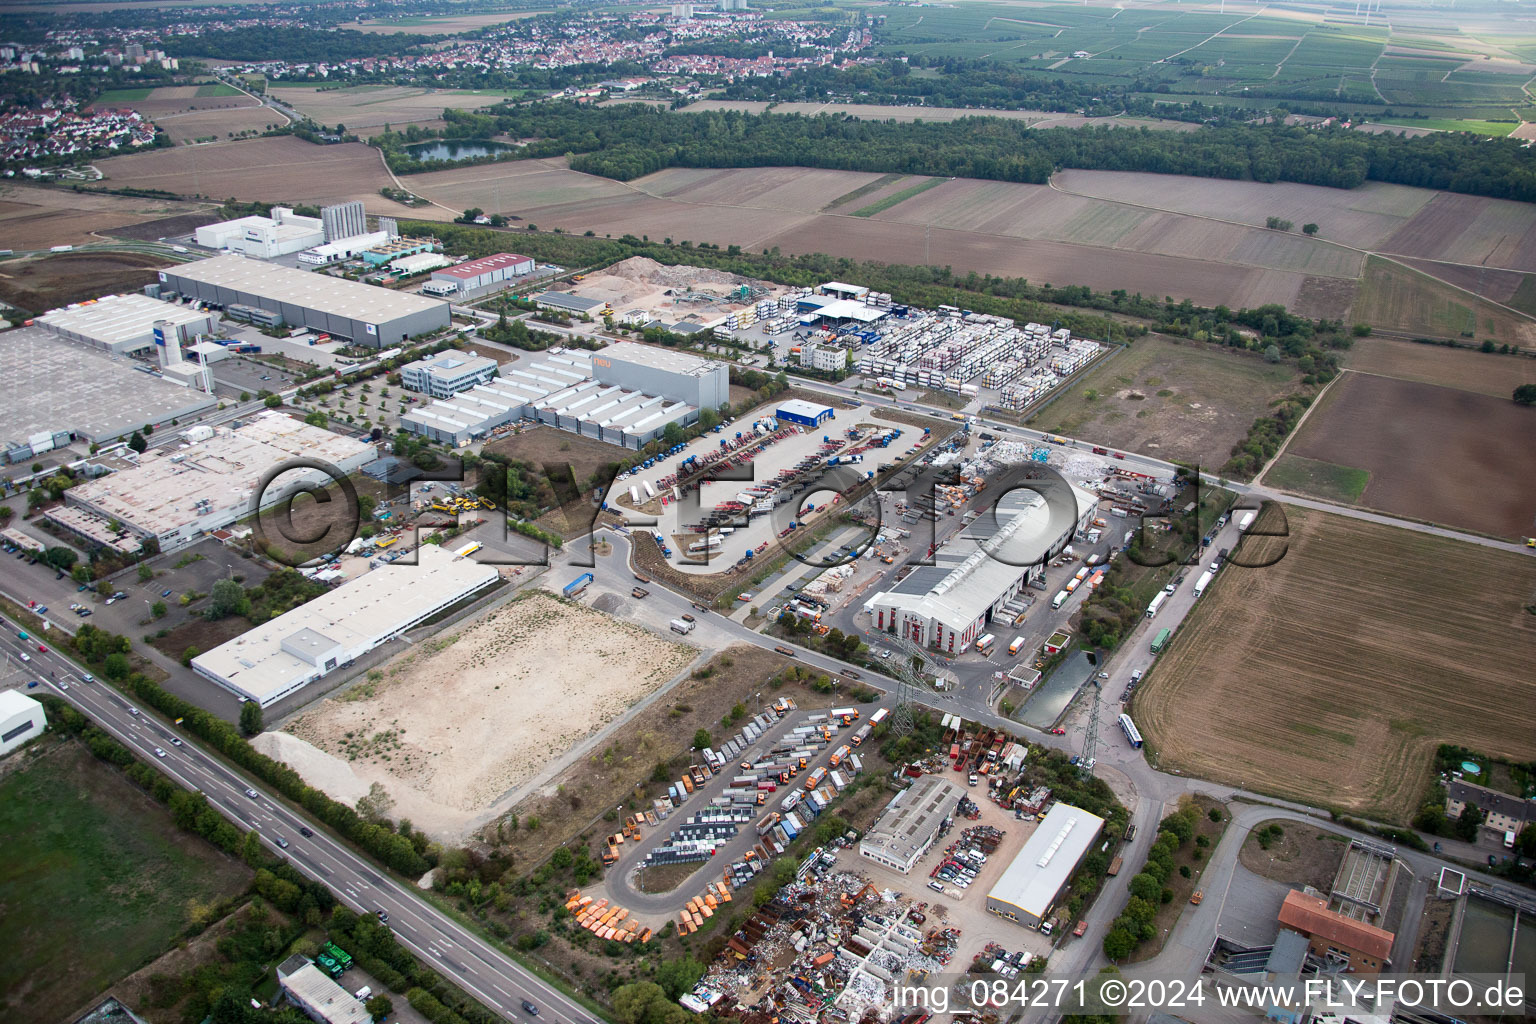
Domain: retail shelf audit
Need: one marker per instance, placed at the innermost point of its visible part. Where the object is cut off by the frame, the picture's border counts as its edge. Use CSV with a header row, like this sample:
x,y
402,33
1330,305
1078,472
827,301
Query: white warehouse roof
x,y
1047,860
321,292
116,320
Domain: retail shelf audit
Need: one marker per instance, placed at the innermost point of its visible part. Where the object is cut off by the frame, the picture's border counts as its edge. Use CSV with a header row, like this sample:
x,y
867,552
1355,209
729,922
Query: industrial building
x,y
1034,881
263,237
285,654
835,312
363,314
565,302
343,249
444,374
395,248
124,325
177,495
474,276
910,823
701,383
978,576
343,220
559,390
806,414
89,394
1334,937
321,999
420,263
21,718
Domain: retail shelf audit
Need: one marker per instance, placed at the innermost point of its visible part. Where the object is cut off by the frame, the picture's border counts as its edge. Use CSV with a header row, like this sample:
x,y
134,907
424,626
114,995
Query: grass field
x,y
1170,398
1443,124
96,881
1330,676
1319,479
1397,298
208,89
120,97
897,197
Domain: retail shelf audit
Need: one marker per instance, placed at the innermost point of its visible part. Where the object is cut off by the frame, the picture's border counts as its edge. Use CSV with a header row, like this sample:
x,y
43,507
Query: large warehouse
x,y
910,823
1032,884
21,718
363,314
701,383
948,604
177,495
287,653
559,390
475,275
124,325
263,237
56,387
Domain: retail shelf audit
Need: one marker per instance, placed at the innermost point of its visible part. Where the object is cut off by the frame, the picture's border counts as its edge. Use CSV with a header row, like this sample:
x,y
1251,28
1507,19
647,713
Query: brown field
x,y
1395,297
32,217
792,189
1490,283
200,124
1363,217
1469,229
1485,374
43,283
1433,453
178,99
1330,676
278,169
1214,395
373,106
521,187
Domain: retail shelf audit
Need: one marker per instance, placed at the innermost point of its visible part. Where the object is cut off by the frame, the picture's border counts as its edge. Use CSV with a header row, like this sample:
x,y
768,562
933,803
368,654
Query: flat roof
x,y
52,383
1047,860
14,702
658,359
568,301
850,309
319,992
291,228
117,318
451,363
303,288
474,268
800,407
912,816
163,491
357,615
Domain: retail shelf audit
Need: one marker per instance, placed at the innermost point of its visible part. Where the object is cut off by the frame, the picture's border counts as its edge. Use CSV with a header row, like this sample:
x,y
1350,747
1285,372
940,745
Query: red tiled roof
x,y
1311,916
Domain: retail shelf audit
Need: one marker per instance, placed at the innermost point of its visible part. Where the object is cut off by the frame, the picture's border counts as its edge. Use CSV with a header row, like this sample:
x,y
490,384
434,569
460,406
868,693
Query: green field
x,y
1318,479
898,197
211,89
95,882
1445,124
113,97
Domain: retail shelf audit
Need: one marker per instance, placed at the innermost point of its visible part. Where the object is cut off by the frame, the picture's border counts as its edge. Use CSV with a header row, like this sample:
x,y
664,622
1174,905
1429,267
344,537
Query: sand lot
x,y
462,719
642,283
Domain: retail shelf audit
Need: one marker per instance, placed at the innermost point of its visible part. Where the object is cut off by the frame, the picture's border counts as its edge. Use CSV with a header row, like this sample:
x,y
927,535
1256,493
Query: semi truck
x,y
1245,522
577,585
1060,599
1203,582
681,626
1157,603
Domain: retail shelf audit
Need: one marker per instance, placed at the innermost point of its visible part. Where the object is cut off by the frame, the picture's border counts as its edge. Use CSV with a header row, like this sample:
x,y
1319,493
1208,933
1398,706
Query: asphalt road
x,y
469,962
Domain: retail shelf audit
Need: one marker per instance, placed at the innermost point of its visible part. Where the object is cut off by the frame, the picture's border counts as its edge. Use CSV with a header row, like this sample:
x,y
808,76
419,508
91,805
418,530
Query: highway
x,y
477,967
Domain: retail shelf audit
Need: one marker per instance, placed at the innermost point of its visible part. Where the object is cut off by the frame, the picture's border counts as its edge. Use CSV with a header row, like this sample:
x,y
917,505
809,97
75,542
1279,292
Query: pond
x,y
455,149
1051,697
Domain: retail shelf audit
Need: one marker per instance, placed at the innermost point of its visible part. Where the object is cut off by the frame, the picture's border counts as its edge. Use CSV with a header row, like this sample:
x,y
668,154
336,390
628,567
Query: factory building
x,y
322,1000
177,495
360,313
560,391
910,823
803,413
574,305
446,373
343,249
21,718
1034,881
419,263
263,237
124,325
947,605
344,220
701,383
285,654
396,248
474,276
830,311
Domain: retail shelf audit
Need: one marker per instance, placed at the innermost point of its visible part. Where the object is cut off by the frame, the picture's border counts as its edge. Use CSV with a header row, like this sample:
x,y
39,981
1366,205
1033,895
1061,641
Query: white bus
x,y
1131,732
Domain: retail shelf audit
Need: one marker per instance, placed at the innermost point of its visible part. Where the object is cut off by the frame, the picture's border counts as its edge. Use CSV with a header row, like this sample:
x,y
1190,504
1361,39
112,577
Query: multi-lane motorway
x,y
458,954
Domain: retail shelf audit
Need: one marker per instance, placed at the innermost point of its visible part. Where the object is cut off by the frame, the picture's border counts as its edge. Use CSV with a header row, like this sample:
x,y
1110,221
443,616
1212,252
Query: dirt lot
x,y
1303,855
1433,453
1483,373
48,282
1172,398
546,446
642,283
35,218
281,169
466,716
1330,676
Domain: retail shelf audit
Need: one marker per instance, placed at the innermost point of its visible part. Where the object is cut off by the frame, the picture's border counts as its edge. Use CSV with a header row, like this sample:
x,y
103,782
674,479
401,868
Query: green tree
x,y
1272,354
1525,394
701,739
1118,942
379,1006
274,402
228,598
250,718
61,557
638,1003
137,442
145,573
116,667
157,609
1470,821
677,977
318,419
1309,229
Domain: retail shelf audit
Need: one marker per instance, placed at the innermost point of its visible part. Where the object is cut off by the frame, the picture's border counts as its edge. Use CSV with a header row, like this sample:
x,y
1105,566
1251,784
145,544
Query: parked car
x,y
936,887
165,593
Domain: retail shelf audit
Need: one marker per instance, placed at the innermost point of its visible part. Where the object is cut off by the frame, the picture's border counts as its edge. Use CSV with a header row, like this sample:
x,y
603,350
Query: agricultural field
x,y
1395,297
33,217
363,107
96,880
1170,398
898,112
521,187
1485,374
199,125
179,99
1497,129
540,676
437,25
47,282
791,189
1472,230
279,169
1432,453
1295,679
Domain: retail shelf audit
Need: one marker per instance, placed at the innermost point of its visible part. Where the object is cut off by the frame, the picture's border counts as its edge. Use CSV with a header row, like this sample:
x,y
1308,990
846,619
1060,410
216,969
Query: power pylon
x,y
1091,737
909,677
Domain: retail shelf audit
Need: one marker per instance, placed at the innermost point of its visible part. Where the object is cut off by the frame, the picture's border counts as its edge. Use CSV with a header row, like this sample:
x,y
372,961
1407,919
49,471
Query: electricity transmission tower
x,y
1091,737
909,676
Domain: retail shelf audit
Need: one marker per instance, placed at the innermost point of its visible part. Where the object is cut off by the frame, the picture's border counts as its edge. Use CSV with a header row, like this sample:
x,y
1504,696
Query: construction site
x,y
684,300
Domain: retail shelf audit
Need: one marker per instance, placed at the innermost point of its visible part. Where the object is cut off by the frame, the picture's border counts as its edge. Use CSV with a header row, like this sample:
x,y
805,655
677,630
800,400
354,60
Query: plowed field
x,y
1486,374
1330,676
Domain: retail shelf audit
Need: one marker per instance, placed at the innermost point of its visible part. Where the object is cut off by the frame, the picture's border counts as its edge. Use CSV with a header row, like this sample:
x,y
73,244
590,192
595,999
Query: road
x,y
458,954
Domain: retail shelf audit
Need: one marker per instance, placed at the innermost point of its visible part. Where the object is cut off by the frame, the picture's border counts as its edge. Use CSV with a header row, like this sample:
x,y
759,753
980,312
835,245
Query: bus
x,y
985,642
1161,640
1131,732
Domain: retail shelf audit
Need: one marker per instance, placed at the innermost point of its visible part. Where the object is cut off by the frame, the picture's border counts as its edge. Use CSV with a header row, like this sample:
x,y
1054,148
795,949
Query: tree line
x,y
629,141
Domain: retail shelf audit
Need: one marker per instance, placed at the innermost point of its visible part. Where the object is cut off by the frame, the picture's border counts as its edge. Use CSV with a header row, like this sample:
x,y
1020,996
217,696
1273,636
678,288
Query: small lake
x,y
469,149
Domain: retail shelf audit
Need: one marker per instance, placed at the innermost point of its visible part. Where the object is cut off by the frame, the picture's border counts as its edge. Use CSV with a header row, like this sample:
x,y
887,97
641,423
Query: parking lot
x,y
237,374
